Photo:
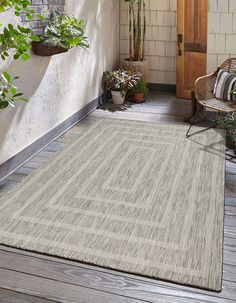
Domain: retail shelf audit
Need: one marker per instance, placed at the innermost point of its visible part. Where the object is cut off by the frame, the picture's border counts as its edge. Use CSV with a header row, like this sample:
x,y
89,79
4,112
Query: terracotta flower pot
x,y
138,66
139,98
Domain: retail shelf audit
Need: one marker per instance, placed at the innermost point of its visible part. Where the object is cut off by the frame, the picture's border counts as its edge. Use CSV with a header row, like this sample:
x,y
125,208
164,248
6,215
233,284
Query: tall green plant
x,y
137,29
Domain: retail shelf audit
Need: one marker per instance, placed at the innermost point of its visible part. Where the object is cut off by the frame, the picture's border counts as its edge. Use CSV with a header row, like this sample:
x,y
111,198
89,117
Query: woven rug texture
x,y
127,195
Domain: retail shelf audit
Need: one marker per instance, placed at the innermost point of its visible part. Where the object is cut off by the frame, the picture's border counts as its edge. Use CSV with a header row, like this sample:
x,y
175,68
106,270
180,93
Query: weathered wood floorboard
x,y
8,296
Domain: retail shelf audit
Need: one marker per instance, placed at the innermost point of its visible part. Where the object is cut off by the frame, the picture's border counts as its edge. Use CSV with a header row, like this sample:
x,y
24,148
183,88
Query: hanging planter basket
x,y
42,50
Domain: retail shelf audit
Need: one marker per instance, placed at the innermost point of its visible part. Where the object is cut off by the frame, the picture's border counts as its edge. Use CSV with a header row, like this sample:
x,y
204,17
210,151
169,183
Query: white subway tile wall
x,y
161,36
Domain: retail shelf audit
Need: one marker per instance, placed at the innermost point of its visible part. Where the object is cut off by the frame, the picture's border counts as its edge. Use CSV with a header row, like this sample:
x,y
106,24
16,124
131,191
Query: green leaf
x,y
25,56
6,77
17,8
13,90
40,17
24,99
16,56
10,26
29,16
3,104
35,38
11,103
18,95
6,31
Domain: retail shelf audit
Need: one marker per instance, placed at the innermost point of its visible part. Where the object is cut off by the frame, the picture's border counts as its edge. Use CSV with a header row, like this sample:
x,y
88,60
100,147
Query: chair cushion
x,y
225,84
219,105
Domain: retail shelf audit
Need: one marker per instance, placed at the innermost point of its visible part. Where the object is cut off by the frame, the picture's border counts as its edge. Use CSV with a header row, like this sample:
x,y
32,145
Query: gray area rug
x,y
132,196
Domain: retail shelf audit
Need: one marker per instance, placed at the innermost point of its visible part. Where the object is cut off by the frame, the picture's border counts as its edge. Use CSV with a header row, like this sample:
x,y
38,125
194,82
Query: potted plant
x,y
137,37
138,92
228,123
61,34
118,82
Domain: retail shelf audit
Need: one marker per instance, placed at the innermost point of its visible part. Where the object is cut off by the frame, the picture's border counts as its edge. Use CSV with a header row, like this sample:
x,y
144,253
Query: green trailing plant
x,y
19,7
8,92
137,29
228,123
120,80
140,88
64,31
17,39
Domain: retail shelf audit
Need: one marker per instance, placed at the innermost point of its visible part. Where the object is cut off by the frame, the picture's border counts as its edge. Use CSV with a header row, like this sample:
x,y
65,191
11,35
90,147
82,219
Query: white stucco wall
x,y
61,85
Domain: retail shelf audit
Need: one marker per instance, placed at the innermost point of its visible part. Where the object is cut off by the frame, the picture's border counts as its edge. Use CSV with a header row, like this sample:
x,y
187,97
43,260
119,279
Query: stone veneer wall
x,y
43,7
221,32
161,38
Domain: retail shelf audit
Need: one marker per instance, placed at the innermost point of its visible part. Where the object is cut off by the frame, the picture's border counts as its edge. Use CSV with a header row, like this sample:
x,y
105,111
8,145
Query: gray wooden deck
x,y
28,277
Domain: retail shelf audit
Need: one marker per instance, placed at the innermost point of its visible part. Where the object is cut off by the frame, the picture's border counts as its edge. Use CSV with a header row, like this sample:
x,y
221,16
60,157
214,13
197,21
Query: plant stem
x,y
134,32
144,30
139,29
130,32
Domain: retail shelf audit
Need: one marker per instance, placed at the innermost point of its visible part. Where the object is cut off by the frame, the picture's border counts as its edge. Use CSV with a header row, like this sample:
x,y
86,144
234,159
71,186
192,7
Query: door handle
x,y
180,40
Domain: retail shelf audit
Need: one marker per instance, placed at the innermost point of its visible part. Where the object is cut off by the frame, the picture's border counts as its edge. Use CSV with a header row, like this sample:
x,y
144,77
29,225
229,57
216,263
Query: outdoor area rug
x,y
127,195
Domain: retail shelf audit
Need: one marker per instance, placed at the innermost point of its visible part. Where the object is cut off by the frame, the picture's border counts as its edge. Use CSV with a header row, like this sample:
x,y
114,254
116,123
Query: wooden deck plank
x,y
55,290
230,210
230,220
230,244
229,258
230,232
8,296
229,273
106,280
231,201
67,292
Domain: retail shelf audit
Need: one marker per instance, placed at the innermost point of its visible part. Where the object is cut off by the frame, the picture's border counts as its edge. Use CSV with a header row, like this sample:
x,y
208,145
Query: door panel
x,y
194,67
192,18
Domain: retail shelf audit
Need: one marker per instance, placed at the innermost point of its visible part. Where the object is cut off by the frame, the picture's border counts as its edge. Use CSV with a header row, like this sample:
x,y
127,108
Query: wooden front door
x,y
192,18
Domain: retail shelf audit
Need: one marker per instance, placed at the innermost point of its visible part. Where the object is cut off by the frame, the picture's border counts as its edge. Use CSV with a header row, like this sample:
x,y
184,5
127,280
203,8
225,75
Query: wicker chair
x,y
204,97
